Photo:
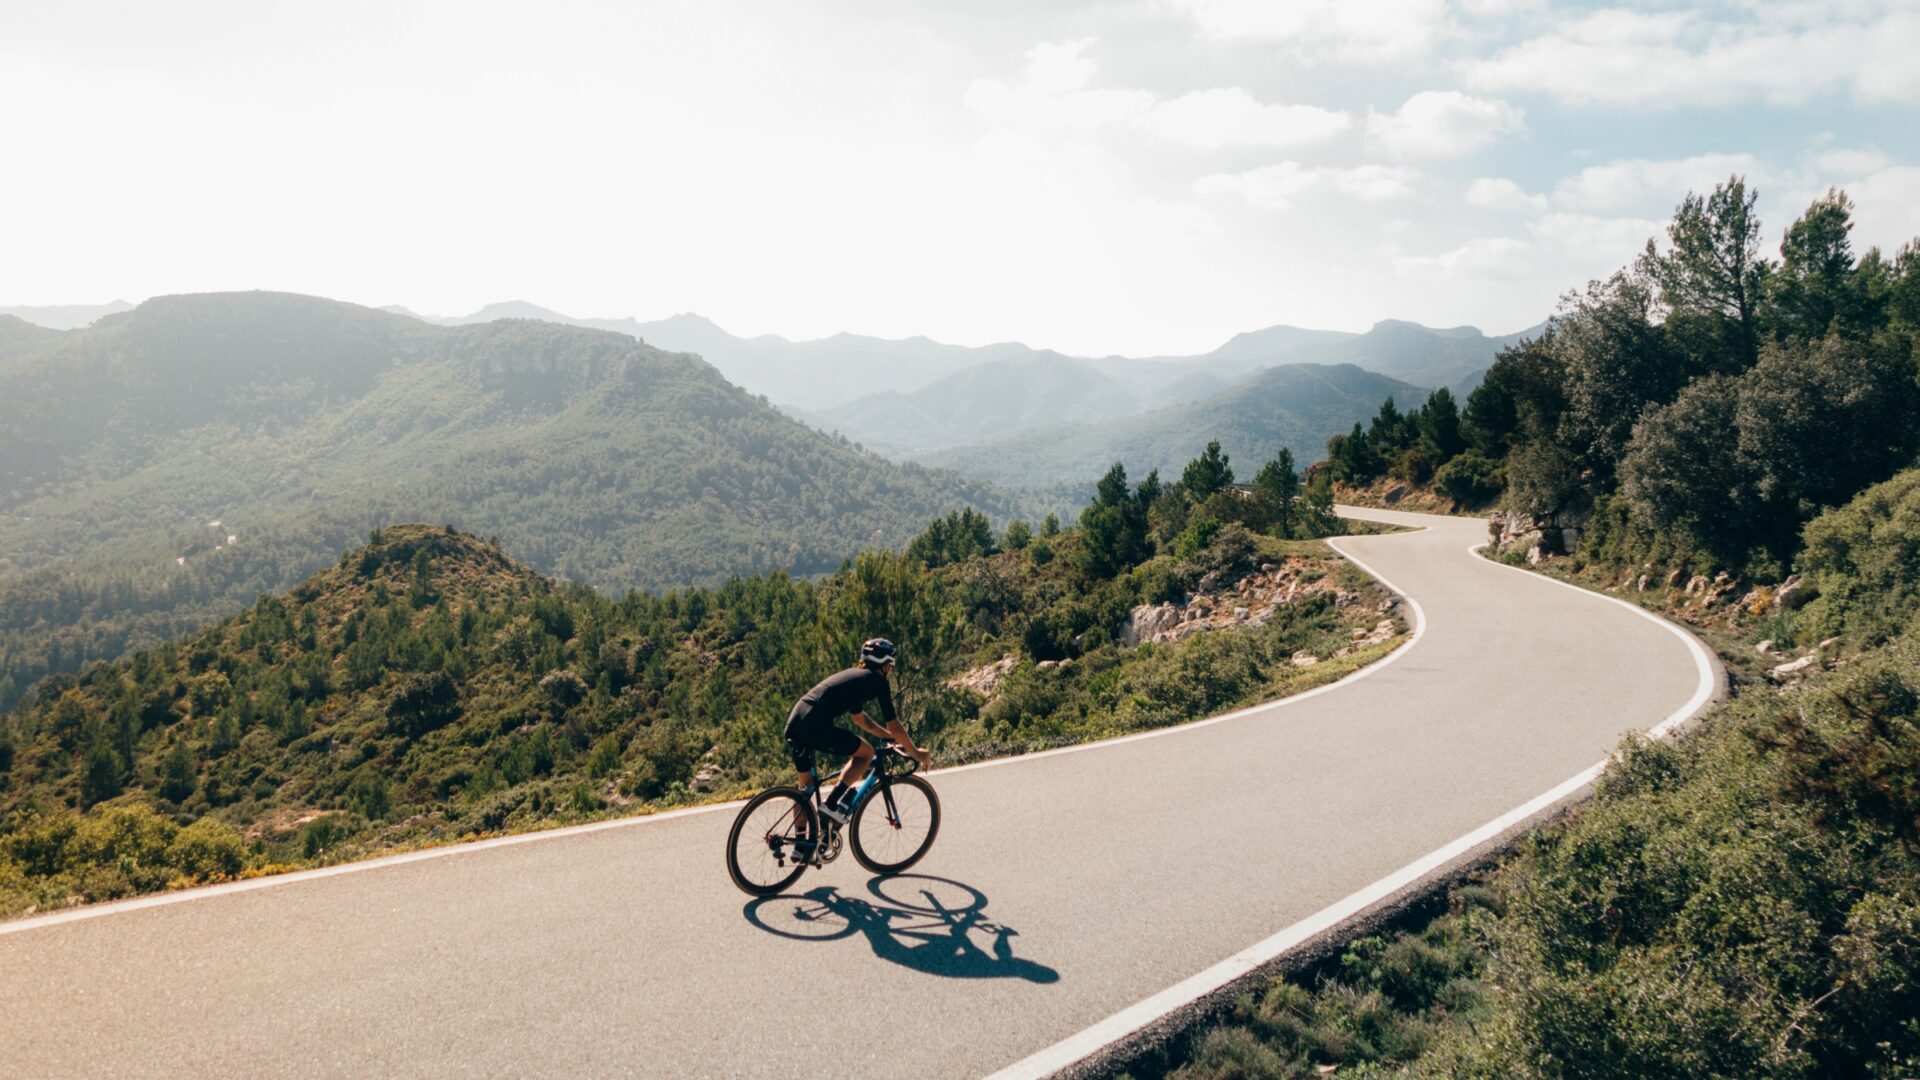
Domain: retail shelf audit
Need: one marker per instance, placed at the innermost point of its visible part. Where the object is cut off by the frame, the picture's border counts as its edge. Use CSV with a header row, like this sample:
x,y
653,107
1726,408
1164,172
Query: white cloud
x,y
1845,164
1498,193
1220,117
1054,96
1051,97
1782,53
1374,183
1485,8
1059,69
1886,210
1271,186
1488,257
1377,31
1281,186
1595,241
1442,123
1642,183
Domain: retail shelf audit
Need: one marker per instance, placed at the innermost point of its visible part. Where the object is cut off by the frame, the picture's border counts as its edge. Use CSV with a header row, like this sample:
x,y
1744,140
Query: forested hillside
x,y
1697,408
1728,437
427,687
167,465
1296,406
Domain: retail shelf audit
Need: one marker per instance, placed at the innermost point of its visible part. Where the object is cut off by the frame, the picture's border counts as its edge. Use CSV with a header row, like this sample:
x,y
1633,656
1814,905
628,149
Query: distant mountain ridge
x,y
1298,406
66,316
913,396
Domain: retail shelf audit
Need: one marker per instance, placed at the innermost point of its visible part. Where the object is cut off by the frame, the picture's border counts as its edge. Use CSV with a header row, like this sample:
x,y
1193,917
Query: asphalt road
x,y
1063,888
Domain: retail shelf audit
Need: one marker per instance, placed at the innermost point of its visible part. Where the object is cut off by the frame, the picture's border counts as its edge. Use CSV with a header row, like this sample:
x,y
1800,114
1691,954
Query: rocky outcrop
x,y
1217,605
1540,536
984,680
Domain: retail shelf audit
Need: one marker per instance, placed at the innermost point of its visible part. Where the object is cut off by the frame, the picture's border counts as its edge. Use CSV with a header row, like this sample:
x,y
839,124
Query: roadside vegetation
x,y
1736,436
428,688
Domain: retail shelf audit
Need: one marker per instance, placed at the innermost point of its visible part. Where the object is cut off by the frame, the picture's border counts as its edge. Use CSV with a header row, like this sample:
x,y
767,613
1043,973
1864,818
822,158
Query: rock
x,y
1674,576
1149,621
1794,594
1569,539
1764,647
1045,664
1268,568
1395,494
985,679
1827,644
1208,582
1641,585
1791,667
1536,555
1239,614
1697,584
1304,659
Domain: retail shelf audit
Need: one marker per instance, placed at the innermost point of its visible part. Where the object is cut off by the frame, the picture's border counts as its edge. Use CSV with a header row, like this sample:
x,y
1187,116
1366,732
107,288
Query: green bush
x,y
1471,479
1865,560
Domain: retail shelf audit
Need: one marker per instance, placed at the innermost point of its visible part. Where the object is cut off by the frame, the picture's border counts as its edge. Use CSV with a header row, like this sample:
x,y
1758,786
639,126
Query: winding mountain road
x,y
1066,889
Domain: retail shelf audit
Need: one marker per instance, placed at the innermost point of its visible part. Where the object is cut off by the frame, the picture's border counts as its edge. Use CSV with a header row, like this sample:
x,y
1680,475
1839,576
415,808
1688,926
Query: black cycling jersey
x,y
848,692
811,727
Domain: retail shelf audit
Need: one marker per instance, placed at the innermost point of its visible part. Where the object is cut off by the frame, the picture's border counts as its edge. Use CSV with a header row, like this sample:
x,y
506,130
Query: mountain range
x,y
916,398
1296,406
167,464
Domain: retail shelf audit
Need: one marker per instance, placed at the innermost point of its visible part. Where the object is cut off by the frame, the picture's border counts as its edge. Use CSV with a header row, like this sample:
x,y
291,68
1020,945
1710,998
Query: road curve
x,y
1064,887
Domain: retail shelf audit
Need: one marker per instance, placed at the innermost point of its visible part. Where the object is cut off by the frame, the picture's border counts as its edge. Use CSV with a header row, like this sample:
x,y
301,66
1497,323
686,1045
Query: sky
x,y
1143,177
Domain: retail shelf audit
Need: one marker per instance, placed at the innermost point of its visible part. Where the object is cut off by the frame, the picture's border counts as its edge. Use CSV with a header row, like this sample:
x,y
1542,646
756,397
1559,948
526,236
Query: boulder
x,y
1149,621
1794,594
1791,667
1304,659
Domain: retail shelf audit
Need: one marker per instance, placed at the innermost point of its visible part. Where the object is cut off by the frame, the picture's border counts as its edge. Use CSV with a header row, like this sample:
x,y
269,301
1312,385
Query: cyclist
x,y
811,727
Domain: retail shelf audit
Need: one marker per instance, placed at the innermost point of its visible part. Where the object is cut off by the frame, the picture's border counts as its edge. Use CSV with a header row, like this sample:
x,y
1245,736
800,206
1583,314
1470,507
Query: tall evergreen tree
x,y
1207,474
1712,279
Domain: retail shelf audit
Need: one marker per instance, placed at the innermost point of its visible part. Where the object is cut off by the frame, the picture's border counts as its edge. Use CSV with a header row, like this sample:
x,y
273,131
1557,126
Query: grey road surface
x,y
1062,888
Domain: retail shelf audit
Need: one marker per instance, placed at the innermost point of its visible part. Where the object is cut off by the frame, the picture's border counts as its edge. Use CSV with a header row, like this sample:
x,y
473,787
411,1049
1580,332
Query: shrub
x,y
207,849
1470,479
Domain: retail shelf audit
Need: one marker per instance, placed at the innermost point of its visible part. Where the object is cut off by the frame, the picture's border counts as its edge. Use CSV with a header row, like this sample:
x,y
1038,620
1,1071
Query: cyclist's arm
x,y
861,721
897,731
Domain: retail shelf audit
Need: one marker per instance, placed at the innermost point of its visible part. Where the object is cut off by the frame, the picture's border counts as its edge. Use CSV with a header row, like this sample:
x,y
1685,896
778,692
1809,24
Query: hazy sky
x,y
1109,177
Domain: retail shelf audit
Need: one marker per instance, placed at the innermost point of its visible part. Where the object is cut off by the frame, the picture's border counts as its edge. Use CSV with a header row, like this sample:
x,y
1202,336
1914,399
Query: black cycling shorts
x,y
807,733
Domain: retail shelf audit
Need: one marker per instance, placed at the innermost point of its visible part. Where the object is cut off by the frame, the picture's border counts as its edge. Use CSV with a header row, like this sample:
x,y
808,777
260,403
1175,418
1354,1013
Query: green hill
x,y
1297,406
426,687
297,424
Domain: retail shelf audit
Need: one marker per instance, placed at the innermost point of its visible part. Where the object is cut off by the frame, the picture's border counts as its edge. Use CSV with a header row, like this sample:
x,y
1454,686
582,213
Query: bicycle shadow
x,y
929,924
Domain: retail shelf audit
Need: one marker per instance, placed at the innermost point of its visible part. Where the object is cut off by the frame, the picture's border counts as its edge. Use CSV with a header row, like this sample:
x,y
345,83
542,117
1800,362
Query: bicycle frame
x,y
877,776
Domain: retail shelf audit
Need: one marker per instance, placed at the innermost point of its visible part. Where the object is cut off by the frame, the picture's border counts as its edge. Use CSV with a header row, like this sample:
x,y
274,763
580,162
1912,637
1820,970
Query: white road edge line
x,y
1127,1021
207,892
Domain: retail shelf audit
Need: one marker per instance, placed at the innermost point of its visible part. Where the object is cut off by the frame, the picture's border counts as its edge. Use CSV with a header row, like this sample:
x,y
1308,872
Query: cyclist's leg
x,y
800,745
856,767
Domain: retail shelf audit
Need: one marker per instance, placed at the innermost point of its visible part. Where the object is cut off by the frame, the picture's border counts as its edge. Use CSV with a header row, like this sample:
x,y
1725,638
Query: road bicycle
x,y
781,832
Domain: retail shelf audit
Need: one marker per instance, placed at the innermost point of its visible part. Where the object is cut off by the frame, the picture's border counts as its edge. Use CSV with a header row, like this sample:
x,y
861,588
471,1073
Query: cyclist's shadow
x,y
929,924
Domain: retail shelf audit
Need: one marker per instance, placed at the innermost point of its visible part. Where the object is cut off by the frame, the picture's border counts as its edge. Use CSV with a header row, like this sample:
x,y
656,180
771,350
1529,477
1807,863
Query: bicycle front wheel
x,y
771,841
896,825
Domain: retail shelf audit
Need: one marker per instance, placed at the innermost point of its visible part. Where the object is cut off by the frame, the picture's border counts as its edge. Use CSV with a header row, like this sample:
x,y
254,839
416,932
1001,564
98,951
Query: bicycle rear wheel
x,y
896,825
761,847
